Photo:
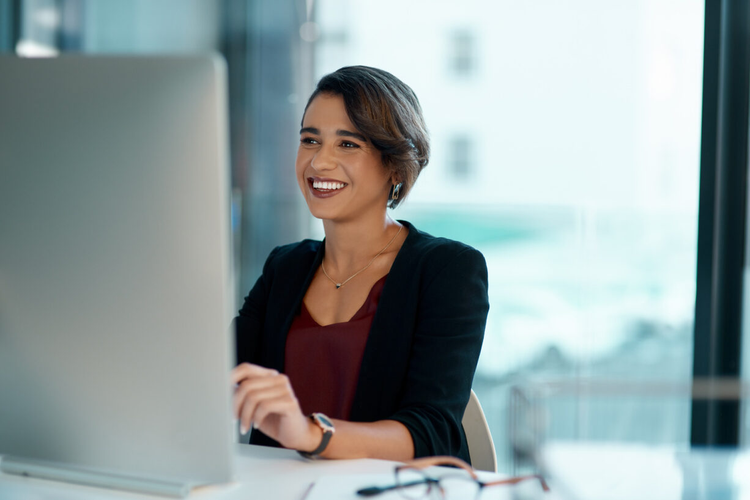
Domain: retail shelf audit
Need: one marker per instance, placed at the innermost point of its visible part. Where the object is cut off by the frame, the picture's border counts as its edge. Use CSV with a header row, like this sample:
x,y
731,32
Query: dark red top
x,y
322,362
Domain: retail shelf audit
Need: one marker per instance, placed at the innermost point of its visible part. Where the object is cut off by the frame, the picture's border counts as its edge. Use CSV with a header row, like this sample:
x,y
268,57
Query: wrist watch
x,y
327,426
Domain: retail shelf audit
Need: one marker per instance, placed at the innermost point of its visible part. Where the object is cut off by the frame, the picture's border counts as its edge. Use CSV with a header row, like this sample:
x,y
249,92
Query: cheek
x,y
300,163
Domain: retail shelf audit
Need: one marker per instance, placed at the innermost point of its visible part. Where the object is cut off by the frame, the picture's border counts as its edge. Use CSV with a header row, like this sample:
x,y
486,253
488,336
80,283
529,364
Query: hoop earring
x,y
395,190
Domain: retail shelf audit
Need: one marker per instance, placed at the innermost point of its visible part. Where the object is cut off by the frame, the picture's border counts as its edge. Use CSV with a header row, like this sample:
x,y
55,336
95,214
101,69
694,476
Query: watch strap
x,y
327,433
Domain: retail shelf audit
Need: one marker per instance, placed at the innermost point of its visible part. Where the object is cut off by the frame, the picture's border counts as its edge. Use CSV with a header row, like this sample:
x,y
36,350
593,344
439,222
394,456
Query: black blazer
x,y
423,346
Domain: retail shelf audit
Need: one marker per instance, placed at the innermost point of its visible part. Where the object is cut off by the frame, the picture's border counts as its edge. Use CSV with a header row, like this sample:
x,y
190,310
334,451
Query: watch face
x,y
323,420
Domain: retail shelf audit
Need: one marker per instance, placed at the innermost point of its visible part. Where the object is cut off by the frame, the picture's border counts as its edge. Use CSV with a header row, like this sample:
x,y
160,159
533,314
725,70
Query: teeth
x,y
328,186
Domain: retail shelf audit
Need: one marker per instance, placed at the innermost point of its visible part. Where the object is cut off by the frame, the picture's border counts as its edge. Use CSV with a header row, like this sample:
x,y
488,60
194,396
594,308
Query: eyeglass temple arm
x,y
423,463
518,479
371,491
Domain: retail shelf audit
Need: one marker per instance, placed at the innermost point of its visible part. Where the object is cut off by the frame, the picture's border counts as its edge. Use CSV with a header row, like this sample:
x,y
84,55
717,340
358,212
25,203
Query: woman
x,y
376,331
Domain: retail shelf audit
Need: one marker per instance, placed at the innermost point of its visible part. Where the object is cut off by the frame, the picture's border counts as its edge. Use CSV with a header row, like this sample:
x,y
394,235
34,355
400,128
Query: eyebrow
x,y
340,133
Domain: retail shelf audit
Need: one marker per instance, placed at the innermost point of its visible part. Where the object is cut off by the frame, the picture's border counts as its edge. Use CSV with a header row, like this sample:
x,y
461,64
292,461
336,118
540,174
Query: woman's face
x,y
339,171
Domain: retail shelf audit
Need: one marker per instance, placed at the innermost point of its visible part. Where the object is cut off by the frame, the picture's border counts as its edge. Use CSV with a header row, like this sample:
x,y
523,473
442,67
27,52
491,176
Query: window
x,y
460,157
583,137
462,58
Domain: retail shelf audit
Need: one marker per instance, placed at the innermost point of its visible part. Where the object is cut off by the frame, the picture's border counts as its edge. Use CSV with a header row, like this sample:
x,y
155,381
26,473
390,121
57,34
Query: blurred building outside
x,y
565,142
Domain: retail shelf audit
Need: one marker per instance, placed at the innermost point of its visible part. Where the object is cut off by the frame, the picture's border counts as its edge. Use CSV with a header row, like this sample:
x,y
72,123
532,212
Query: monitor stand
x,y
49,470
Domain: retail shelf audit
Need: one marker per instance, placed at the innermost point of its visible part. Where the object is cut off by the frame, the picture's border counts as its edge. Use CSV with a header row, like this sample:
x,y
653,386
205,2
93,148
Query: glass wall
x,y
566,142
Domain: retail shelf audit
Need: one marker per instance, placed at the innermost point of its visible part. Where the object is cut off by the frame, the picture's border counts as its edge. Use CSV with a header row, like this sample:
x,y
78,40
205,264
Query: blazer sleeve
x,y
449,330
249,323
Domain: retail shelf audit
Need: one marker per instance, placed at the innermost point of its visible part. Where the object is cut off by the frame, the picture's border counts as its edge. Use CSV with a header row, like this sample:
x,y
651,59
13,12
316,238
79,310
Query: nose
x,y
323,159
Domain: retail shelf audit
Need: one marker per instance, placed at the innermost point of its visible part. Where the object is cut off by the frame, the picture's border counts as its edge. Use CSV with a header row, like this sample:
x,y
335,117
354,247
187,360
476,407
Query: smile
x,y
326,187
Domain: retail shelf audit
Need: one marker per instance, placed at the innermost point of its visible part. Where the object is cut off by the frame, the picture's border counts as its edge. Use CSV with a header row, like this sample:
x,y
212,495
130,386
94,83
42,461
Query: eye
x,y
308,140
349,144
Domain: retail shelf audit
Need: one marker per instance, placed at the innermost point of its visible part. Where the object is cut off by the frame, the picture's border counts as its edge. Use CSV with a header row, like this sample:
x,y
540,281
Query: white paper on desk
x,y
344,487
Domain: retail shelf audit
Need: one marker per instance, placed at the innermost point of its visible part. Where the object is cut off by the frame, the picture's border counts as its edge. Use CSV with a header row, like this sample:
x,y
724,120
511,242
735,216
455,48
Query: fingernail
x,y
255,425
243,430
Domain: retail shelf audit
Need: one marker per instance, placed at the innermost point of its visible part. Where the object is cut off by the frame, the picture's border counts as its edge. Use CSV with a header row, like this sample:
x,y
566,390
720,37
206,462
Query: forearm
x,y
385,439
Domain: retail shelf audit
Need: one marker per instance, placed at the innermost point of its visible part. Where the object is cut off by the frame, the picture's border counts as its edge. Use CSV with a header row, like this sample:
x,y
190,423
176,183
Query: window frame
x,y
721,218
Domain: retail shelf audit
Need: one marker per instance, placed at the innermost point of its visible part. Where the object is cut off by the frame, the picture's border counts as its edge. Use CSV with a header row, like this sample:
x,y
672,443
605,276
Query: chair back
x,y
478,436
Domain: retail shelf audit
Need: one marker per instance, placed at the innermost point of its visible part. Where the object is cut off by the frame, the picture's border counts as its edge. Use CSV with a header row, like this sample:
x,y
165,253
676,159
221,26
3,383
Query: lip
x,y
324,194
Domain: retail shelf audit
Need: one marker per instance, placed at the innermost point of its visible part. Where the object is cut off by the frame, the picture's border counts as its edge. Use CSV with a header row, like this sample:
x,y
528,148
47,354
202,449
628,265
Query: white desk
x,y
262,473
580,471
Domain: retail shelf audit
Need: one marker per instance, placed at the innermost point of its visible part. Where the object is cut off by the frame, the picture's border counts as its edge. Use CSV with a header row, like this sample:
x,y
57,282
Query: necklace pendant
x,y
338,285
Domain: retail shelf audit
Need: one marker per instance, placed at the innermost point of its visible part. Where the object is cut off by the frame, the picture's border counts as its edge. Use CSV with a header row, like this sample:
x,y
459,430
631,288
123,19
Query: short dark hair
x,y
386,111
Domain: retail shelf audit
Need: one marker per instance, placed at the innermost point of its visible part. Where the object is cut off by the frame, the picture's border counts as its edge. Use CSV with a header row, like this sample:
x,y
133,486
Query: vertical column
x,y
10,24
721,219
269,79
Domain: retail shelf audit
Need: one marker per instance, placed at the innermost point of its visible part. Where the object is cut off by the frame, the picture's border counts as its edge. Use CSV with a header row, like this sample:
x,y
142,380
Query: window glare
x,y
565,143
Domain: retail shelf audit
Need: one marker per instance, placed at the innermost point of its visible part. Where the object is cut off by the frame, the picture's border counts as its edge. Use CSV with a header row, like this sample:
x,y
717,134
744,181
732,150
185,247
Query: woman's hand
x,y
264,398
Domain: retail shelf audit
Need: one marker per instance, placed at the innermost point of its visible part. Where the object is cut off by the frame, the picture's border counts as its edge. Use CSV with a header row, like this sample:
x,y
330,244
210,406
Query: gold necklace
x,y
339,285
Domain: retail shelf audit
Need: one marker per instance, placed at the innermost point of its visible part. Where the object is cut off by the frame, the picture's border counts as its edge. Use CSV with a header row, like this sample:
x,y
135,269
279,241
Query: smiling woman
x,y
375,332
385,112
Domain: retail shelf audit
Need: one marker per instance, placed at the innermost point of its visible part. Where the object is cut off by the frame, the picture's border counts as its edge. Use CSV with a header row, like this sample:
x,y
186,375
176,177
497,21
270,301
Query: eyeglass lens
x,y
415,484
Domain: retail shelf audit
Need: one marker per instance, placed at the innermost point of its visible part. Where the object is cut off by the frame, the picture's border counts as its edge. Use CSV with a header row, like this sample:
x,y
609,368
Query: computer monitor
x,y
116,296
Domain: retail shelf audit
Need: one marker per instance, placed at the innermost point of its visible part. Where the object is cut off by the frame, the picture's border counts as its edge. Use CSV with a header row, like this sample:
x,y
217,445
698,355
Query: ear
x,y
395,179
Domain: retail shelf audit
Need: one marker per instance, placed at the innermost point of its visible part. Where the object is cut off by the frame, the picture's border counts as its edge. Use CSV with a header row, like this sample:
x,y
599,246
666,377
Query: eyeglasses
x,y
413,482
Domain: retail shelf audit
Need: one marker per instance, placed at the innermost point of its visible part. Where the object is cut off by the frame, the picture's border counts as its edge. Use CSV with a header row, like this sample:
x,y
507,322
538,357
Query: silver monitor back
x,y
115,286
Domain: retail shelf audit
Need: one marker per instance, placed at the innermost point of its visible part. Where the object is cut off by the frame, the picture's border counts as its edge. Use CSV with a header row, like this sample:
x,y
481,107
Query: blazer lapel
x,y
388,344
290,304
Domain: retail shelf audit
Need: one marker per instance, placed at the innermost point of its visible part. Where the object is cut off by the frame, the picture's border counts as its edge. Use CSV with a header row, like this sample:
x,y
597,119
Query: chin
x,y
322,213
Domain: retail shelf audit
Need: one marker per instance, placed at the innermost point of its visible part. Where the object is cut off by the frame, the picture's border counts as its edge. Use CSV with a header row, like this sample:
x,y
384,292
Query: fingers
x,y
251,392
284,404
274,408
266,390
248,370
265,399
248,386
